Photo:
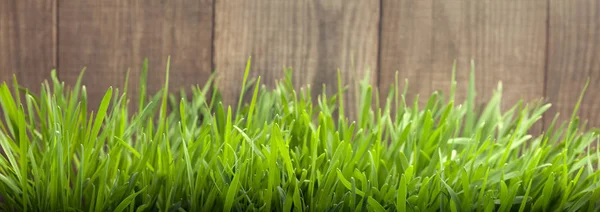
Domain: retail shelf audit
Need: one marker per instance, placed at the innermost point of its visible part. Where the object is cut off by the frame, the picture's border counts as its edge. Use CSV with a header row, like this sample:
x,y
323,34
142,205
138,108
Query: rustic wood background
x,y
537,48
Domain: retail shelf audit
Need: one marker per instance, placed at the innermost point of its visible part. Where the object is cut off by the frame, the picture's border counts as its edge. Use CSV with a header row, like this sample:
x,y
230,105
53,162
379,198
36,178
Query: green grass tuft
x,y
284,150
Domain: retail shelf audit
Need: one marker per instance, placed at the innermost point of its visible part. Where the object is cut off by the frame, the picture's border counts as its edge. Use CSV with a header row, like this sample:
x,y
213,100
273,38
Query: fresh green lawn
x,y
284,150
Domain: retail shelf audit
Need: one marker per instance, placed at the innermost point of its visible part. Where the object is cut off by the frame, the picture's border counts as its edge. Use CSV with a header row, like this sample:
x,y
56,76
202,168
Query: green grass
x,y
284,150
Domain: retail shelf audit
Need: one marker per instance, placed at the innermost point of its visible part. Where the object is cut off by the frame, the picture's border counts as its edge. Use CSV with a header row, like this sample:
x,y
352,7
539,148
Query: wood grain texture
x,y
506,40
406,46
108,37
27,41
574,56
422,39
314,38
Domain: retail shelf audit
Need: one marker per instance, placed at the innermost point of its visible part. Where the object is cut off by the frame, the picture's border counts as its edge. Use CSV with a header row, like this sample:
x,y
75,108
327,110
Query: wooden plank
x,y
312,37
506,39
406,46
27,41
108,37
574,56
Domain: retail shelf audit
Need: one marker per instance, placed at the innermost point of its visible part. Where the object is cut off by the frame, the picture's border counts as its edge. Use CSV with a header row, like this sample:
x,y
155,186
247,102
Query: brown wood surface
x,y
314,38
27,41
406,46
422,39
506,39
573,57
108,37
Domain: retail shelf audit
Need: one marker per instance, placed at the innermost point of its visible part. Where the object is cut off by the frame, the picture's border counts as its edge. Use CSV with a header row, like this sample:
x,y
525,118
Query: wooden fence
x,y
537,48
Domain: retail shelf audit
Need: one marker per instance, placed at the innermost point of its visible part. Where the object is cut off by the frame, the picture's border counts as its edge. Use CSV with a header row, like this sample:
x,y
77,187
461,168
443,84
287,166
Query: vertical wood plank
x,y
574,56
27,41
314,38
108,37
406,46
422,39
507,41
